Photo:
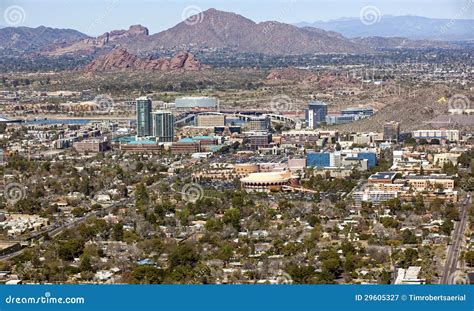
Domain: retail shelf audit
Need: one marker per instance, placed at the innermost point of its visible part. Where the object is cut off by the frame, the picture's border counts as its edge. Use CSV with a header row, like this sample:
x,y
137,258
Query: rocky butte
x,y
120,59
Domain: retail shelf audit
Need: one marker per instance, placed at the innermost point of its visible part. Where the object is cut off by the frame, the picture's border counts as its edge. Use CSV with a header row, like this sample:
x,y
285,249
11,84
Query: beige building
x,y
421,183
209,120
451,135
441,158
91,145
246,169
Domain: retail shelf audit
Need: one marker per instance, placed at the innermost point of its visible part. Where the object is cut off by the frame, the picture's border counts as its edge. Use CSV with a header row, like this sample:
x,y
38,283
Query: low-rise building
x,y
210,120
449,135
430,182
185,147
91,145
376,197
440,159
409,276
382,178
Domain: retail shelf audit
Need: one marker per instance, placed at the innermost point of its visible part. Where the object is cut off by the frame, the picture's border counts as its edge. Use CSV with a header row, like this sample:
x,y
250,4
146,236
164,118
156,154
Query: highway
x,y
454,249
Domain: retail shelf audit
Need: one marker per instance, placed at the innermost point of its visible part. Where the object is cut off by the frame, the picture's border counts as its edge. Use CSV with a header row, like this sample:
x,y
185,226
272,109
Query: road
x,y
54,231
454,250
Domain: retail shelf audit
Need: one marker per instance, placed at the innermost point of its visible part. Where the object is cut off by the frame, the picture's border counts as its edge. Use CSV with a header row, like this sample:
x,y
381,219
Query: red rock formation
x,y
120,59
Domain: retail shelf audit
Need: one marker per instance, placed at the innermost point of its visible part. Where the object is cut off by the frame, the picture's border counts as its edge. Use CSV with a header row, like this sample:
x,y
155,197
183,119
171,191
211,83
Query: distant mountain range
x,y
25,39
410,27
217,30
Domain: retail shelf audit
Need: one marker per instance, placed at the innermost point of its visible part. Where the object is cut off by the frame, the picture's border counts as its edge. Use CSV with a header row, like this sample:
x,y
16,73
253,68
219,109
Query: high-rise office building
x,y
391,131
163,126
144,123
316,114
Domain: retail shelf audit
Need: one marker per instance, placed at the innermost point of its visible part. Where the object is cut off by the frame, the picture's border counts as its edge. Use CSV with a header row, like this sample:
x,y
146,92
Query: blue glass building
x,y
370,156
320,159
144,122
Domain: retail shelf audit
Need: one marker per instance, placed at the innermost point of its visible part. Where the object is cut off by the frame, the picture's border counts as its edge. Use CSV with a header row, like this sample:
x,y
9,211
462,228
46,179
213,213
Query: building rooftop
x,y
203,137
196,97
317,103
383,175
187,140
428,177
267,177
143,142
357,109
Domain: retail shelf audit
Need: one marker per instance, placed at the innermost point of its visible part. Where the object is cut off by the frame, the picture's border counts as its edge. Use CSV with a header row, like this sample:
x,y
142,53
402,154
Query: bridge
x,y
188,117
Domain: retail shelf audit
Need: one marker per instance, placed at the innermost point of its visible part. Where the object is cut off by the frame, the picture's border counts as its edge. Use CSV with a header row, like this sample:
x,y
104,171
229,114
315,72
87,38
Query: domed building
x,y
268,181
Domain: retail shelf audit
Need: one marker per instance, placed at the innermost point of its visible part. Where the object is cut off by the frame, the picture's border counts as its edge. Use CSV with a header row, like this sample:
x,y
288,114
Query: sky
x,y
94,17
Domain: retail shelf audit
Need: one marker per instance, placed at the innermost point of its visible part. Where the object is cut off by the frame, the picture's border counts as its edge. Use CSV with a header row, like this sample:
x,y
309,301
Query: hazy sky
x,y
95,17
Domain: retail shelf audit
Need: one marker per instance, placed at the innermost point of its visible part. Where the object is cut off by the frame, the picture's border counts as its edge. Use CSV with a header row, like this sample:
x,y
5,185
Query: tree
x,y
469,258
225,252
409,258
147,274
449,168
389,222
385,277
85,264
331,269
447,227
117,232
183,216
301,274
408,237
70,249
78,211
183,255
331,265
410,142
349,264
232,217
394,204
213,225
141,196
